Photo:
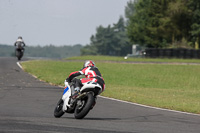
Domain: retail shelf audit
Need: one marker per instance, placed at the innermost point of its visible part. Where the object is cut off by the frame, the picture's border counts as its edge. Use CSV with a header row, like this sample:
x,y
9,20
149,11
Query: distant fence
x,y
172,53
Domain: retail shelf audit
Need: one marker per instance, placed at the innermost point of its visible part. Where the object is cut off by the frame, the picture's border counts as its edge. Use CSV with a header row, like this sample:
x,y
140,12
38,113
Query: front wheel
x,y
58,112
83,106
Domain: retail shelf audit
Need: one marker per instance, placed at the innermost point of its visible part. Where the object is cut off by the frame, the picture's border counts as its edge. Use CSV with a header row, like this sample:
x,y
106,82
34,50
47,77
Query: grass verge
x,y
114,58
174,87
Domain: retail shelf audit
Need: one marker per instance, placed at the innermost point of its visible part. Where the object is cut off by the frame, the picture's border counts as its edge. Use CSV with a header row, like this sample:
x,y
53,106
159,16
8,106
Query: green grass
x,y
174,87
114,58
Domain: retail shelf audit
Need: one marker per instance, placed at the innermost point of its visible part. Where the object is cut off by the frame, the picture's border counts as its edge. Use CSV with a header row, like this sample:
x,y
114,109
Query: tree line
x,y
49,51
149,23
110,40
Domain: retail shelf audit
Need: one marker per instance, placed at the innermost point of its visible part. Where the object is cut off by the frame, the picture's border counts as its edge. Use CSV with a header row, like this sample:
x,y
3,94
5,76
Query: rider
x,y
20,41
91,73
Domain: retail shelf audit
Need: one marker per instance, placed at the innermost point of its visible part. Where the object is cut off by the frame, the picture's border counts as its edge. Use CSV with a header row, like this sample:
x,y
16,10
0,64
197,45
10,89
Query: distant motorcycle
x,y
19,50
80,104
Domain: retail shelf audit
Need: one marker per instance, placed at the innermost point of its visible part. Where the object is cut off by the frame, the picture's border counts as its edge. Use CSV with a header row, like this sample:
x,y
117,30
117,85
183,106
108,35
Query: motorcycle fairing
x,y
66,89
92,86
66,97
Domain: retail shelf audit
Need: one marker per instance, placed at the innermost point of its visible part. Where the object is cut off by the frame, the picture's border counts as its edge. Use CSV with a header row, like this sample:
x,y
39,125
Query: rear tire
x,y
19,54
58,112
82,110
19,58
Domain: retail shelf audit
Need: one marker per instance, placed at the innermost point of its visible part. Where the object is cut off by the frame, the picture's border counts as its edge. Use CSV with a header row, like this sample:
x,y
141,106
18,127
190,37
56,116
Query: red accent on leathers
x,y
85,80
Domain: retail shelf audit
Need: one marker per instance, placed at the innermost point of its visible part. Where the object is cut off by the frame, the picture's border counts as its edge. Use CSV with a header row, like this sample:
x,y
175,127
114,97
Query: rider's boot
x,y
74,95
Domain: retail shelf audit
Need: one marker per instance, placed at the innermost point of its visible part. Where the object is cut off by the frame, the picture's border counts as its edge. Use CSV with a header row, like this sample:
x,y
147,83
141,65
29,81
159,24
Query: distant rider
x,y
91,73
20,43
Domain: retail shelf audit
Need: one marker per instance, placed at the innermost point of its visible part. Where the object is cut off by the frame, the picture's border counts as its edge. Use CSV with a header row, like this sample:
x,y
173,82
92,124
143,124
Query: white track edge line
x,y
19,65
146,106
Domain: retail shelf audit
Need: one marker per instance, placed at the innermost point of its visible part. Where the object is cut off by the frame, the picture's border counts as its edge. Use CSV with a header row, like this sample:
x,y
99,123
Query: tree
x,y
138,21
180,20
194,9
111,40
156,23
130,10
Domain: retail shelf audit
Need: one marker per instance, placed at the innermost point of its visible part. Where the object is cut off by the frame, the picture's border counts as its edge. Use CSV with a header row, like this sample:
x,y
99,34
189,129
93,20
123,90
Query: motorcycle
x,y
78,103
19,51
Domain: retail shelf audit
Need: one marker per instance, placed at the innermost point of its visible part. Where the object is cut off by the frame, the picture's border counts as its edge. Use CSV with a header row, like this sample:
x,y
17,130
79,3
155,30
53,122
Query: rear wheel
x,y
58,112
19,58
83,106
19,54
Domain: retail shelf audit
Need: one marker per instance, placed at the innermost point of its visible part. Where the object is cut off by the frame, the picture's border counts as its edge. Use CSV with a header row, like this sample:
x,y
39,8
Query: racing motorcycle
x,y
79,103
19,51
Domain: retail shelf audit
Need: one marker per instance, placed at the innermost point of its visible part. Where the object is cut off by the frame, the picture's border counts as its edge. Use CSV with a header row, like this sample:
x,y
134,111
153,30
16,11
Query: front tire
x,y
86,104
58,112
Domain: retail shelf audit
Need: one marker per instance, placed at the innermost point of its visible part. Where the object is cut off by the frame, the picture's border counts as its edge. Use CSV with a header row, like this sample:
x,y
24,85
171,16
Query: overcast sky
x,y
57,22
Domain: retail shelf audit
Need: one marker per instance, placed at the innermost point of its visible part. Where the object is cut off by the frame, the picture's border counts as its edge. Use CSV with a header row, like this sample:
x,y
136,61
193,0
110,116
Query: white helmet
x,y
88,63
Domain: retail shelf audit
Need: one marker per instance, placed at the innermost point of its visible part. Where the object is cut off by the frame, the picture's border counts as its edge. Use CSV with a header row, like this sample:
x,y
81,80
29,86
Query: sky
x,y
57,22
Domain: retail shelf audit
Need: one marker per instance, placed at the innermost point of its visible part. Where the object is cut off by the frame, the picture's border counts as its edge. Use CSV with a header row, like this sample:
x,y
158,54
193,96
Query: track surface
x,y
26,105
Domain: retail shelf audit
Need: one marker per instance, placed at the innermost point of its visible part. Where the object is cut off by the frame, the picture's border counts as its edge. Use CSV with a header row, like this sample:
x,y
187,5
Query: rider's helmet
x,y
19,37
88,63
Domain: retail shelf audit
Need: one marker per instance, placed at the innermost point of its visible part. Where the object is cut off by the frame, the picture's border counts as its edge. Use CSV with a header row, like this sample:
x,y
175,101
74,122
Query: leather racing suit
x,y
91,74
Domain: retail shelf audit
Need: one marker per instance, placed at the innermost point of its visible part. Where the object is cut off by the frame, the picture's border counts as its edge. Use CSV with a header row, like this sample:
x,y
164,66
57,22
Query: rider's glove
x,y
67,80
66,83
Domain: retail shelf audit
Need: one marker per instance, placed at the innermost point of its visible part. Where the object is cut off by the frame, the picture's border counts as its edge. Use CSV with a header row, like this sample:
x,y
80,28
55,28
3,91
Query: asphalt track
x,y
27,104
